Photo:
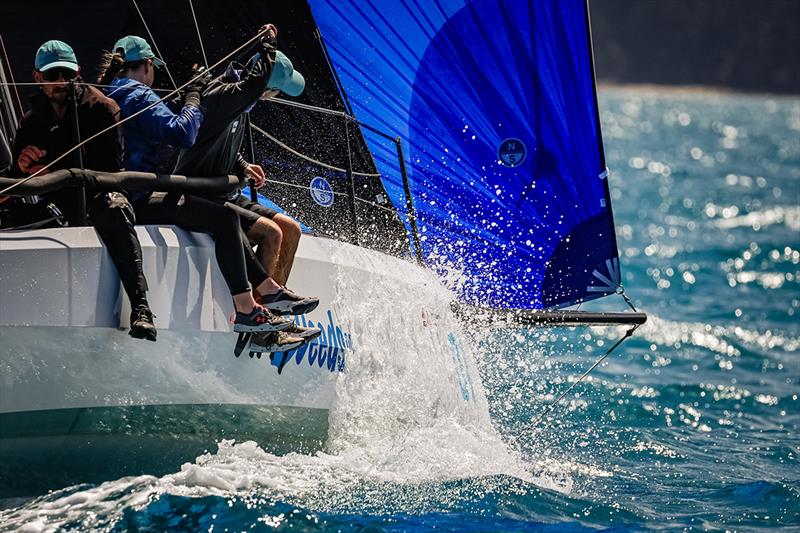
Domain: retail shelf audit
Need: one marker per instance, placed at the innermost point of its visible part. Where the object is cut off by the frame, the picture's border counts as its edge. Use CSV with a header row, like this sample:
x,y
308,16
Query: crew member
x,y
226,100
49,130
129,70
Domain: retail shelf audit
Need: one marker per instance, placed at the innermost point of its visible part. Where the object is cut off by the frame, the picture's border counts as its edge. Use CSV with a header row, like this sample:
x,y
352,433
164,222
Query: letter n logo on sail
x,y
511,152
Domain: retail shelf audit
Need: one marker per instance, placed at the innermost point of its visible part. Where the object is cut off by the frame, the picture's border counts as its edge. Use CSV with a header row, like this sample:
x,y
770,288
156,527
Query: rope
x,y
32,225
373,204
600,360
152,40
296,186
307,188
309,159
114,126
309,107
98,85
11,73
199,36
23,83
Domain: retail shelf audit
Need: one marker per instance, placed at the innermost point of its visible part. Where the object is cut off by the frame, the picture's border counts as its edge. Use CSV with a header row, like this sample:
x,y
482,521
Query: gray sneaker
x,y
304,333
274,342
259,320
287,302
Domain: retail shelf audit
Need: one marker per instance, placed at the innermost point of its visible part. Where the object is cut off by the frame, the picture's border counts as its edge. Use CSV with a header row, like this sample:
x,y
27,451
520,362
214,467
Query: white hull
x,y
63,322
64,318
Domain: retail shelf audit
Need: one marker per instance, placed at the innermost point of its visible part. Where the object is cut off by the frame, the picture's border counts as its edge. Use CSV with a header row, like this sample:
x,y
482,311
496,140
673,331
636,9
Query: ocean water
x,y
692,424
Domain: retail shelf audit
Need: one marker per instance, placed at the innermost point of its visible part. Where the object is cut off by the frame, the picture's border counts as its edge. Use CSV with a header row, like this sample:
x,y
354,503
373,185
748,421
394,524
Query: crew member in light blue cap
x,y
283,78
126,74
226,101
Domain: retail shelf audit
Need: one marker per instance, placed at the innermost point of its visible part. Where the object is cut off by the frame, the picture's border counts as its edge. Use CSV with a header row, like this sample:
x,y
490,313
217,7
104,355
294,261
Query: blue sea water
x,y
691,425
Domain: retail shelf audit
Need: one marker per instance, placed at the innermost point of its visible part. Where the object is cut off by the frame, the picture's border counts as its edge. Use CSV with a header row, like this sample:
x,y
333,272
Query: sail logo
x,y
512,152
321,191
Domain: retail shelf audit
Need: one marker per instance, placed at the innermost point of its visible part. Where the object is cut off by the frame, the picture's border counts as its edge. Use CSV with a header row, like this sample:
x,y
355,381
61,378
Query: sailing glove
x,y
194,89
269,42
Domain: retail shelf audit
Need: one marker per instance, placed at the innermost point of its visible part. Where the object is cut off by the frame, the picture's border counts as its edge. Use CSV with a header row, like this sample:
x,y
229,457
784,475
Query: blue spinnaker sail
x,y
495,103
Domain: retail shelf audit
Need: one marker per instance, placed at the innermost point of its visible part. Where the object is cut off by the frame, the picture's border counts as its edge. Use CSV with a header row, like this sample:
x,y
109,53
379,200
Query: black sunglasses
x,y
55,73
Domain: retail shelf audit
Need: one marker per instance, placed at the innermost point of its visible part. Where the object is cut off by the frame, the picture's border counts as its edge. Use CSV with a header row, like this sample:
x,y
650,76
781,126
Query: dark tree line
x,y
747,45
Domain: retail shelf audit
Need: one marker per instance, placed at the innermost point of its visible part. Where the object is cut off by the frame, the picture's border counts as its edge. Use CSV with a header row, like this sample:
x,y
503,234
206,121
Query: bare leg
x,y
267,236
291,232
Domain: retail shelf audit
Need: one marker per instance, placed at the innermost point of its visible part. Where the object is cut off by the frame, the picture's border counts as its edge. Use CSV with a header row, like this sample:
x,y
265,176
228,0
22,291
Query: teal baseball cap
x,y
284,77
54,54
136,49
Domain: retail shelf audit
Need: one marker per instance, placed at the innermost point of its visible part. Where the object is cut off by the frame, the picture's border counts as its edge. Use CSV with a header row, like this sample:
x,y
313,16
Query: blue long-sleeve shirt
x,y
145,133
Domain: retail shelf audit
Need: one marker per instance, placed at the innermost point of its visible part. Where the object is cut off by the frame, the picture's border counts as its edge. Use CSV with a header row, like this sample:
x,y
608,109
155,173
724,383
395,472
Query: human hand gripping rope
x,y
268,30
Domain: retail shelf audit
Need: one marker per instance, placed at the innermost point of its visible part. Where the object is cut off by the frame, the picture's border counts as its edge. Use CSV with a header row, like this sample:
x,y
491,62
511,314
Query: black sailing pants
x,y
235,256
113,218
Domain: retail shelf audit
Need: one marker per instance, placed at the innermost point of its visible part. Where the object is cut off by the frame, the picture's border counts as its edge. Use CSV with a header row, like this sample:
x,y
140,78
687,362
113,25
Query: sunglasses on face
x,y
54,74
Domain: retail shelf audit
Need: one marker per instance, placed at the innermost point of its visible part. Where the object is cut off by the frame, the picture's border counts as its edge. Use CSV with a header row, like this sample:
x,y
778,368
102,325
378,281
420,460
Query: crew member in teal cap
x,y
225,102
46,132
127,73
55,62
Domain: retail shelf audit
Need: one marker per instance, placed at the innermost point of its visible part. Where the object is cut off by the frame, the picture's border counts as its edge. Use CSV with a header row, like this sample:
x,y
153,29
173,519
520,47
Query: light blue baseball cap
x,y
136,49
284,77
54,54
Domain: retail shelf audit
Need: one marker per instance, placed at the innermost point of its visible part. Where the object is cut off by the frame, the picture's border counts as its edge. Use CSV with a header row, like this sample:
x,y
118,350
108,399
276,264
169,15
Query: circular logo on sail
x,y
511,152
321,191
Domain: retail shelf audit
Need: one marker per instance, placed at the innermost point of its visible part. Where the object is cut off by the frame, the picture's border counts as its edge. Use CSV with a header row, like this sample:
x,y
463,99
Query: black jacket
x,y
225,101
41,127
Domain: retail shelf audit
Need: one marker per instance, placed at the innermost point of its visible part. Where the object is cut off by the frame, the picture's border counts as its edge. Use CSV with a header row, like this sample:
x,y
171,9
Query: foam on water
x,y
409,410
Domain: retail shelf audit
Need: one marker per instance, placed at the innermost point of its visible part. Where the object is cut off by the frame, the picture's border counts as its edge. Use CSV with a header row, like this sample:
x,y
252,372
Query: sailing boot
x,y
142,326
287,302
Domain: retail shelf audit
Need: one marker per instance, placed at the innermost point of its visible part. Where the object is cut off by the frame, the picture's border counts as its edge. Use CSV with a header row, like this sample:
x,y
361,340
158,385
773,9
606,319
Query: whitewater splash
x,y
409,410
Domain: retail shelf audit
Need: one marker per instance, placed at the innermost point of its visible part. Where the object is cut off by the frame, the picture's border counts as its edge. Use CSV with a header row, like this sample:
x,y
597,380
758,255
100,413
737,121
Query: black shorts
x,y
249,211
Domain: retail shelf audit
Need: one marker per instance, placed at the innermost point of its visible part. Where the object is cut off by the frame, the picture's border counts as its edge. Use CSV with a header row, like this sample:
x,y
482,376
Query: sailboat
x,y
454,136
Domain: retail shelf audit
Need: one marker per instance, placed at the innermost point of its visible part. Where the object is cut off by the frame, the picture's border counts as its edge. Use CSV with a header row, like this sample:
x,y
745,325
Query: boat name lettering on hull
x,y
326,351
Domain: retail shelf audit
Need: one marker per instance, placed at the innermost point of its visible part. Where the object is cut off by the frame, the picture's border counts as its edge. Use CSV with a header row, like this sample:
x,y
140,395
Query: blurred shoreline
x,y
692,89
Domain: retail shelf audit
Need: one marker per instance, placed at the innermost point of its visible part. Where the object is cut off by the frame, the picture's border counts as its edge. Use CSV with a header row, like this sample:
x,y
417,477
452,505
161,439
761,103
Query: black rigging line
x,y
602,358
